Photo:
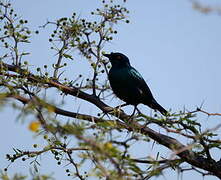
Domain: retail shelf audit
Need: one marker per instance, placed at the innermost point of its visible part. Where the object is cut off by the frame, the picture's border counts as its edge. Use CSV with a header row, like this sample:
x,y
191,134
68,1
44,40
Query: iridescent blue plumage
x,y
128,85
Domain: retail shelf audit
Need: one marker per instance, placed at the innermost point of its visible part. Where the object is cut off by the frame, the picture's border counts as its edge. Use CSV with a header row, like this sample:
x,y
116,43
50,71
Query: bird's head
x,y
118,59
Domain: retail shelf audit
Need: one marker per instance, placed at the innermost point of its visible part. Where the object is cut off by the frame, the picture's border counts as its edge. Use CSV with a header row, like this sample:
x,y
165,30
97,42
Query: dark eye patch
x,y
118,57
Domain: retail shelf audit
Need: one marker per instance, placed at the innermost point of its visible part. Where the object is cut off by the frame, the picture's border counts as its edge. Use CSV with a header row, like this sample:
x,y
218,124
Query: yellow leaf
x,y
34,126
50,109
108,145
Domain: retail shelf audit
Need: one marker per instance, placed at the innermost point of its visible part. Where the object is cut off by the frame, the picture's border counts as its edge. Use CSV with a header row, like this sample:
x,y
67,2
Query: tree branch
x,y
184,152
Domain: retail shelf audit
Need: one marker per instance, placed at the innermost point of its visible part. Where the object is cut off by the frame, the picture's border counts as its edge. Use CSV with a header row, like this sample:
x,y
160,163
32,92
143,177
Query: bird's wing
x,y
140,83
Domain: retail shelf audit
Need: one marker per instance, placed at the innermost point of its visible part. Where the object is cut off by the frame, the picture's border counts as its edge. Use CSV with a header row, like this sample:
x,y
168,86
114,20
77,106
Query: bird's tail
x,y
158,107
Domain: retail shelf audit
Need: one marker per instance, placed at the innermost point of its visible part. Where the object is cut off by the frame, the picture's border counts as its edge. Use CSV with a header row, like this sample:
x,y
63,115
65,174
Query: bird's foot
x,y
138,111
120,106
116,111
145,125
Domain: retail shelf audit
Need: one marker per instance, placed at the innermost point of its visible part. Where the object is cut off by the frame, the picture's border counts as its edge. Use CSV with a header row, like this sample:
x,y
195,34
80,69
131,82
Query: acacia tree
x,y
96,137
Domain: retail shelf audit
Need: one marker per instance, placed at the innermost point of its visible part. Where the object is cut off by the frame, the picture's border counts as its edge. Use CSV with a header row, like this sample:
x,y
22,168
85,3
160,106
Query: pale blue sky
x,y
175,48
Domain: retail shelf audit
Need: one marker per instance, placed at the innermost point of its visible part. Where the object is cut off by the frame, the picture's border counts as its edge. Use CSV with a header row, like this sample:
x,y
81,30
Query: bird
x,y
128,84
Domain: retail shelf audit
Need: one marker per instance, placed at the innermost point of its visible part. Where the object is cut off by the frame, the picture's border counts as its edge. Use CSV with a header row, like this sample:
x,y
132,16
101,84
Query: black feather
x,y
128,85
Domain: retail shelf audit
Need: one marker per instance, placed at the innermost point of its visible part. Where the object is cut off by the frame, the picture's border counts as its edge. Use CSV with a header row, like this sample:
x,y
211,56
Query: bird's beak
x,y
107,55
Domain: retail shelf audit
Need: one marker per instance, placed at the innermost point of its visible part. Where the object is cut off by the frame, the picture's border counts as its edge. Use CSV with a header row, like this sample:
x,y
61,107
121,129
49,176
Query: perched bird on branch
x,y
128,85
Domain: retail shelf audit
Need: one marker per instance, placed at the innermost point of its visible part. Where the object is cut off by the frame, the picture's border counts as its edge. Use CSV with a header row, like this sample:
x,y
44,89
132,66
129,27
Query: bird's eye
x,y
118,57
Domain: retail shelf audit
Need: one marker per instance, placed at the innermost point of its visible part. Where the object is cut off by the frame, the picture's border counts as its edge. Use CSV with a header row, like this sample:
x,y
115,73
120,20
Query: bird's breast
x,y
122,85
119,77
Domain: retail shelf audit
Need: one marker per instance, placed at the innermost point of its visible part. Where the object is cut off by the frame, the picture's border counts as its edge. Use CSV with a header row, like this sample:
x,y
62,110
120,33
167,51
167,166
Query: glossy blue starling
x,y
128,85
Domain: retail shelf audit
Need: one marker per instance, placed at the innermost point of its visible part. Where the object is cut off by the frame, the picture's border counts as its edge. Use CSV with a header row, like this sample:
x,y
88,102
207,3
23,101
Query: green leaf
x,y
68,56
